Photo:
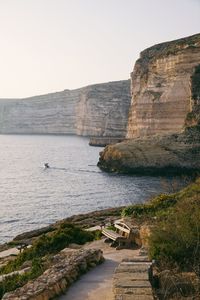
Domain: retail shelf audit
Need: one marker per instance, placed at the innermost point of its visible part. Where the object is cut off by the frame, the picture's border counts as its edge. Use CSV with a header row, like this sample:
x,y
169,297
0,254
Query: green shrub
x,y
152,208
11,283
15,281
46,245
49,244
175,237
97,235
175,242
161,205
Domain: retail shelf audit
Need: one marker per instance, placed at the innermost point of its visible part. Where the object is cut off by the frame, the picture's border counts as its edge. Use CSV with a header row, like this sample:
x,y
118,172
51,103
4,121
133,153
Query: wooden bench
x,y
124,234
116,237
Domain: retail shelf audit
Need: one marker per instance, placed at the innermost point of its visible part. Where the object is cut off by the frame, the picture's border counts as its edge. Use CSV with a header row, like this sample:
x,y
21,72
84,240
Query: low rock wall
x,y
67,267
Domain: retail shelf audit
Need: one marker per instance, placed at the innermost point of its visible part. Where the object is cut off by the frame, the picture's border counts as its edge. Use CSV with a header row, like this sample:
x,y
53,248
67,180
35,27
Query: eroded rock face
x,y
97,110
162,88
103,109
173,154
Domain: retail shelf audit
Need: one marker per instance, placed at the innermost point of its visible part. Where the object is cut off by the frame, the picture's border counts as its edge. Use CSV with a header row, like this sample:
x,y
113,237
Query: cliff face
x,y
51,113
164,118
103,109
162,87
98,110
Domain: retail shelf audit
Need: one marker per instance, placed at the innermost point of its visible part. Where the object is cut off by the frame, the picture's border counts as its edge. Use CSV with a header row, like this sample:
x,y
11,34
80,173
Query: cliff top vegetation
x,y
171,47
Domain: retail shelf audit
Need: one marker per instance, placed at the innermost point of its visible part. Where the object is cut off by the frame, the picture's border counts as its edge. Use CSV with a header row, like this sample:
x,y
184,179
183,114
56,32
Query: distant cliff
x,y
164,88
97,110
164,117
103,109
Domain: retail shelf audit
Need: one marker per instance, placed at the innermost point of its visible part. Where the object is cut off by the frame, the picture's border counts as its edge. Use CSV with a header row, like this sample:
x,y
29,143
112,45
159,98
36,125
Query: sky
x,y
52,45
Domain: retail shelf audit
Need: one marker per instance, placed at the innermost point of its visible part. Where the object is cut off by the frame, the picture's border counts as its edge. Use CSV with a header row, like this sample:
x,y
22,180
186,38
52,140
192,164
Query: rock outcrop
x,y
172,154
68,266
163,126
96,110
164,87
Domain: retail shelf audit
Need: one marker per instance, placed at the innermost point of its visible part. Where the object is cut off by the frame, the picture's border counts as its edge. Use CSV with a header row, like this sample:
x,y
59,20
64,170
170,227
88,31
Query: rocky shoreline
x,y
174,154
82,220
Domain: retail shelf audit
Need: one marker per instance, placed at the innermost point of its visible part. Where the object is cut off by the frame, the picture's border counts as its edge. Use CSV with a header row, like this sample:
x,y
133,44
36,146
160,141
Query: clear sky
x,y
52,45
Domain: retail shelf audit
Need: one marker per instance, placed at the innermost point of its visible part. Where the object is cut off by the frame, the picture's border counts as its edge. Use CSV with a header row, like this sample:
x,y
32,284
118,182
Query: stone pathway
x,y
97,283
11,251
131,280
97,227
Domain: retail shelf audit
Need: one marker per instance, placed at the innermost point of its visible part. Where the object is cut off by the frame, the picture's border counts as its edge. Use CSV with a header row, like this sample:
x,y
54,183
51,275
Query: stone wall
x,y
67,267
161,87
97,110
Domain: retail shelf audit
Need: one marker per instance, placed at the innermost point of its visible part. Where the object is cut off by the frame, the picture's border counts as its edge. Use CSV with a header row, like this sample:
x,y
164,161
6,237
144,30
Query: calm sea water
x,y
32,197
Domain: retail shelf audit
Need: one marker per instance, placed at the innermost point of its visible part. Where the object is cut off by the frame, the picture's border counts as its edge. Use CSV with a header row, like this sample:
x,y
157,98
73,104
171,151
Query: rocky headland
x,y
159,155
95,110
163,126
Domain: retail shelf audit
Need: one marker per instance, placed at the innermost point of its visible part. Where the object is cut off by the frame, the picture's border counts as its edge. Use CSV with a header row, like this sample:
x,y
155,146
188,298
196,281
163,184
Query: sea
x,y
32,196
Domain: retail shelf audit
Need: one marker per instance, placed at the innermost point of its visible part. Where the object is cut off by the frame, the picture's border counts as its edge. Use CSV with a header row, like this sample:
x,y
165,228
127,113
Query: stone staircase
x,y
132,280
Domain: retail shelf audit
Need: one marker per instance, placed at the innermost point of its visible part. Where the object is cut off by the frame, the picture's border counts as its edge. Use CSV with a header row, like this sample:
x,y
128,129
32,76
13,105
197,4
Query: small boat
x,y
46,165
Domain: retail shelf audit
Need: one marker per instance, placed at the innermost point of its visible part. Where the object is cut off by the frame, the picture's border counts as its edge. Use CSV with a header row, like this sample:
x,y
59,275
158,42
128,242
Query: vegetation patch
x,y
196,84
175,240
15,281
39,255
162,204
157,207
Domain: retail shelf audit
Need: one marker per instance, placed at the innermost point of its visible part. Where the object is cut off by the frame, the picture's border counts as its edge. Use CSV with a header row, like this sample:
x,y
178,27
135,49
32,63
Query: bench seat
x,y
113,235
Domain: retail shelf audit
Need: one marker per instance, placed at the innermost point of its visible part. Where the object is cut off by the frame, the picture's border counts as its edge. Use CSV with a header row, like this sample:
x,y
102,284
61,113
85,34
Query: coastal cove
x,y
32,197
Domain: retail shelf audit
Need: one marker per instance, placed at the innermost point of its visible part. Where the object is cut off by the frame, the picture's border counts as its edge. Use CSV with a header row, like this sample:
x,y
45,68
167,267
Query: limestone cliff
x,y
98,110
51,113
103,109
165,103
162,87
